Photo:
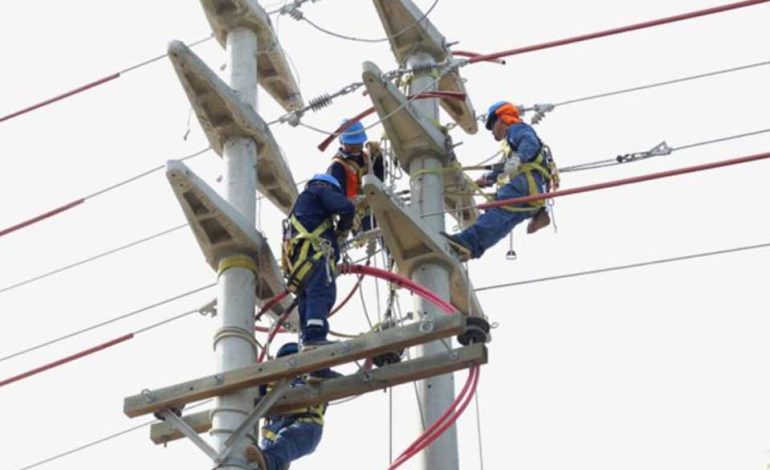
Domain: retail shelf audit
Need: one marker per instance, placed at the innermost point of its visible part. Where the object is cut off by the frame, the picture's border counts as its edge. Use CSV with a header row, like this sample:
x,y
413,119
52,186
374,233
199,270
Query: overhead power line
x,y
625,267
80,201
659,150
89,351
541,109
299,16
614,183
92,84
107,322
620,30
103,440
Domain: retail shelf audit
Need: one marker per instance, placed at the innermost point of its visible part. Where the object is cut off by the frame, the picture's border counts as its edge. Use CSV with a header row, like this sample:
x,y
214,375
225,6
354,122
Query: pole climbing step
x,y
365,346
411,32
413,136
222,231
355,384
412,242
223,115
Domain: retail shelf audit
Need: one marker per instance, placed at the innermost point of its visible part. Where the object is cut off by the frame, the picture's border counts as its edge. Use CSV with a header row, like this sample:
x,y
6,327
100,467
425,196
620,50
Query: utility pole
x,y
234,341
436,393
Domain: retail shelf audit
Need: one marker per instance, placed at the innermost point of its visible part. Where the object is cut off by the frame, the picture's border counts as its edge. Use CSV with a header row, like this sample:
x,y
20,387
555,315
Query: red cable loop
x,y
349,296
427,94
622,29
621,182
400,281
60,97
65,360
437,429
40,217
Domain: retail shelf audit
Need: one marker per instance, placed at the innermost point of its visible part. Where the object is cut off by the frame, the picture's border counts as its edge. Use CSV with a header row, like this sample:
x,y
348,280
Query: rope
x,y
610,32
77,202
87,86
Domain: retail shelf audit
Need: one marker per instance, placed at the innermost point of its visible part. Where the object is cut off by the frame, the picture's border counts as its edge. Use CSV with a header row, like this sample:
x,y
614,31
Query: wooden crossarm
x,y
342,387
366,346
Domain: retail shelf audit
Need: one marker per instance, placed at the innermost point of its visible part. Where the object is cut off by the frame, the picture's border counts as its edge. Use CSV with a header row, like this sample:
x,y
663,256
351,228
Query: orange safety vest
x,y
353,173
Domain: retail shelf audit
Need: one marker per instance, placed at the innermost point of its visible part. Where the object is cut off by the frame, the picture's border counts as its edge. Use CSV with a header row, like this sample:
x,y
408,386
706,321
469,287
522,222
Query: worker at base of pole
x,y
350,164
291,435
311,252
527,169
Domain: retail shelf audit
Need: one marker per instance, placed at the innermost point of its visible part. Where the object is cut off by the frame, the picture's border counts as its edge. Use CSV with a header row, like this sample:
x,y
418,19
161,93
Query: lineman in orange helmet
x,y
528,169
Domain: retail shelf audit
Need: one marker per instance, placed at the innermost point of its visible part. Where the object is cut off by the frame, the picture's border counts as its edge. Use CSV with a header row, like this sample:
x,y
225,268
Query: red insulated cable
x,y
427,94
451,409
475,54
400,281
60,97
273,332
40,217
622,29
67,359
621,182
349,296
429,436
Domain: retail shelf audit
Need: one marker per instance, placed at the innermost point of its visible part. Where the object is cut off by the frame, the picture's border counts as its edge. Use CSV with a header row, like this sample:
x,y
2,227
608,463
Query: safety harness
x,y
296,261
543,164
311,414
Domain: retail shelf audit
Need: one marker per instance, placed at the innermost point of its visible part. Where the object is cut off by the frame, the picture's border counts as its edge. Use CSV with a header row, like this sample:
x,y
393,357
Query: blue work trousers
x,y
315,302
494,224
292,440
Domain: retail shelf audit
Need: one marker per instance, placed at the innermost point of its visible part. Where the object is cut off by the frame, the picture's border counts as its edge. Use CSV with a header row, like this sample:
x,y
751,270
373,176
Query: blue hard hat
x,y
286,349
492,115
326,179
353,135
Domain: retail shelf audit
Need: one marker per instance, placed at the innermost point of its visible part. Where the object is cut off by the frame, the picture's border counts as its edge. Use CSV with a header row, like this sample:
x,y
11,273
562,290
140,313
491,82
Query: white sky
x,y
664,367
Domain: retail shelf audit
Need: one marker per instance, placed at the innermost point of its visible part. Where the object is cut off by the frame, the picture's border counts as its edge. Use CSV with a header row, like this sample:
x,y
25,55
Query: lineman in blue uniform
x,y
311,251
351,163
291,435
527,169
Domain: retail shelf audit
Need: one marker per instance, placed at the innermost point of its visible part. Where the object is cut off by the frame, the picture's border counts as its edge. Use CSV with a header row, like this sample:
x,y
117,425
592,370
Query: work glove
x,y
483,182
342,237
373,148
511,166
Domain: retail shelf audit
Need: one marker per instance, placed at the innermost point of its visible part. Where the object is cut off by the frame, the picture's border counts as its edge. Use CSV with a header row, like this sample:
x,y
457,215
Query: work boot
x,y
316,343
254,455
539,220
461,249
319,376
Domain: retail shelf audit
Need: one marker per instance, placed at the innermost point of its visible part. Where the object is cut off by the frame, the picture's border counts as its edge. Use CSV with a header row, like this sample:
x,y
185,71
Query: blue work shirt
x,y
320,201
523,140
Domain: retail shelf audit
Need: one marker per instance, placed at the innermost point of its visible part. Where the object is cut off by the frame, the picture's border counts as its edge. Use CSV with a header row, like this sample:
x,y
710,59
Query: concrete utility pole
x,y
437,393
234,341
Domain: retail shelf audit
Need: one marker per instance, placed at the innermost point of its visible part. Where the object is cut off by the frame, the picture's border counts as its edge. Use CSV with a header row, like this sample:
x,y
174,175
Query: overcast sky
x,y
662,367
